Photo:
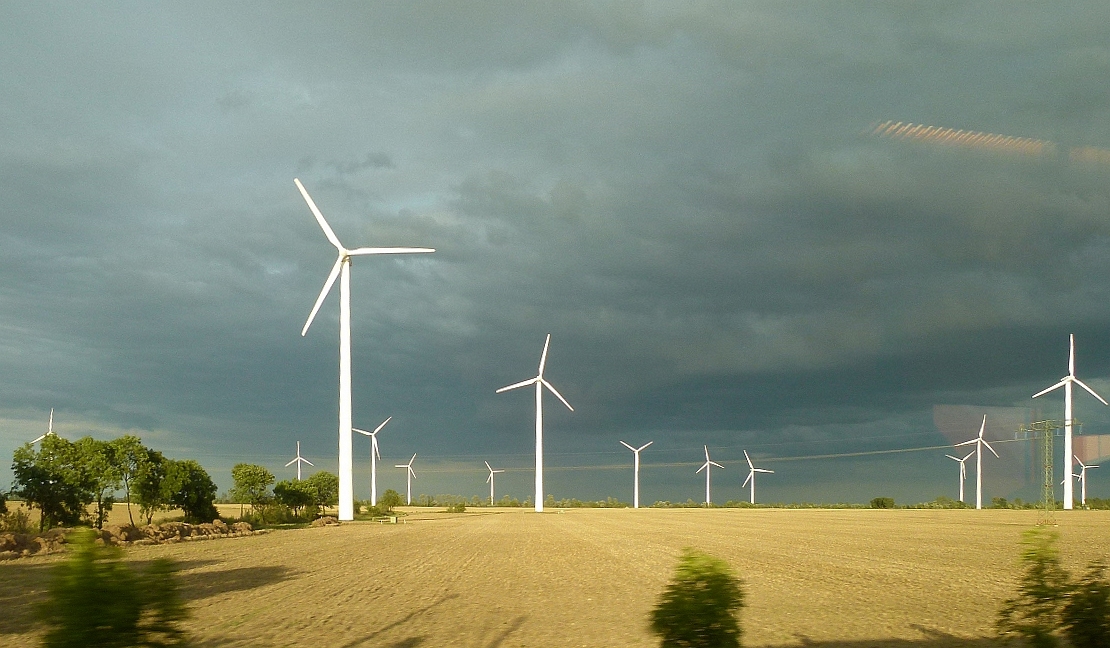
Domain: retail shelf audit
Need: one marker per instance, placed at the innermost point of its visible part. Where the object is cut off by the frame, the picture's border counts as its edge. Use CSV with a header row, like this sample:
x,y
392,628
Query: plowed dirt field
x,y
488,578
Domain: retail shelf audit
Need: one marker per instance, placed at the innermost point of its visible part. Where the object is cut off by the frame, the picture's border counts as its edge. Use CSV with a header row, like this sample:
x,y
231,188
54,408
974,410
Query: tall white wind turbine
x,y
636,484
1066,382
979,443
374,456
705,466
540,383
1082,476
49,428
409,476
299,460
342,268
963,470
489,479
752,470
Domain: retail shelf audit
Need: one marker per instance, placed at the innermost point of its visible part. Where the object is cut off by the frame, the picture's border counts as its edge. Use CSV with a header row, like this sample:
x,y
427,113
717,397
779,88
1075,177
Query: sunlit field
x,y
589,577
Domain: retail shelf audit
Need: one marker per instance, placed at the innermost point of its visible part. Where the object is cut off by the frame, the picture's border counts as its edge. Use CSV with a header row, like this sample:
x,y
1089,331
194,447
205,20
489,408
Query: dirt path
x,y
850,579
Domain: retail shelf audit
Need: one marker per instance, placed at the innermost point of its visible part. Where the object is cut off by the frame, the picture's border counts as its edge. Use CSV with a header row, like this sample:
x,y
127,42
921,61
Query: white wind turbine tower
x,y
1066,382
299,460
979,443
705,466
343,267
492,472
409,476
540,384
49,428
636,484
752,470
1082,476
374,456
963,470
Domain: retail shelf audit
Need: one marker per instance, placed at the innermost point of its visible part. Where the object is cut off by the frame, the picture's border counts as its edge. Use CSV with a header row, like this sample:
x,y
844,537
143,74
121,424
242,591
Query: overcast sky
x,y
687,196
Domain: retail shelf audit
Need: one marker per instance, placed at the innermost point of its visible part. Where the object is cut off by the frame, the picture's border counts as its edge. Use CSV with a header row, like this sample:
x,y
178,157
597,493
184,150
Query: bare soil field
x,y
589,577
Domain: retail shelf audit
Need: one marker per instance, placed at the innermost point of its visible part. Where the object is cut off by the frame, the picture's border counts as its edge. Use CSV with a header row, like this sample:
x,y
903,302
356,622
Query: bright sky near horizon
x,y
695,199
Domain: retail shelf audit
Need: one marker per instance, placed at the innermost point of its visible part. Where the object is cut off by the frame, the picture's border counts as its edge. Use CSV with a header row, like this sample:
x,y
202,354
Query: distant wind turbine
x,y
299,460
636,483
1082,476
49,428
343,267
963,470
706,467
1066,382
540,383
489,479
409,476
979,443
374,456
752,470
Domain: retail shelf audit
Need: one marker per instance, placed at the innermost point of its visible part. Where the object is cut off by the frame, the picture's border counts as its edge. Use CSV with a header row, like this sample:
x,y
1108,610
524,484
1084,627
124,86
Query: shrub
x,y
3,503
458,507
96,600
882,503
17,521
1035,614
699,607
1086,615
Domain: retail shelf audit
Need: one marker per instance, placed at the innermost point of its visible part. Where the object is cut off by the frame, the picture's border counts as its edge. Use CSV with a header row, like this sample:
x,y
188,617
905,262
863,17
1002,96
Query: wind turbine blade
x,y
644,446
374,447
1091,466
291,462
1056,386
490,476
323,293
412,471
501,471
1071,355
543,356
413,458
379,428
716,464
488,467
952,458
50,424
703,467
966,443
628,446
706,453
750,474
319,217
1079,461
968,456
749,460
1090,391
991,449
39,439
388,250
354,429
983,426
763,470
309,462
554,391
522,383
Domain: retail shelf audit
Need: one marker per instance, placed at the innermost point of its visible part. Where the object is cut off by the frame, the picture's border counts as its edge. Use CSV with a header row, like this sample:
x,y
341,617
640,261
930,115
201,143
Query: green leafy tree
x,y
1086,615
699,608
3,503
130,456
389,500
882,503
195,491
326,488
101,472
53,480
251,484
1034,615
297,495
94,599
155,485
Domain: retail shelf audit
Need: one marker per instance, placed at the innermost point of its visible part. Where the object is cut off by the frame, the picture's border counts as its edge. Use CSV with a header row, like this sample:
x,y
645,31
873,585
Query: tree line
x,y
64,479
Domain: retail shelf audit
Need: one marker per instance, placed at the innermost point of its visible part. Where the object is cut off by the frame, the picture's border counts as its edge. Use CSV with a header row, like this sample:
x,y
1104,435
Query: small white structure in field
x,y
489,479
1066,383
963,470
342,268
299,460
540,383
979,443
1082,477
409,476
49,428
374,456
636,483
752,470
705,466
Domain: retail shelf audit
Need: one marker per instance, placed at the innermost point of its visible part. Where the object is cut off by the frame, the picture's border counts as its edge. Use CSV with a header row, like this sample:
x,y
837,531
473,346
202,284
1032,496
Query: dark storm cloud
x,y
686,197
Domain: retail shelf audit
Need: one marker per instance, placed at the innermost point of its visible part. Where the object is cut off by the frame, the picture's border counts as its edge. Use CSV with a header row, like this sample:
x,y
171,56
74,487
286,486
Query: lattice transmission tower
x,y
1046,431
